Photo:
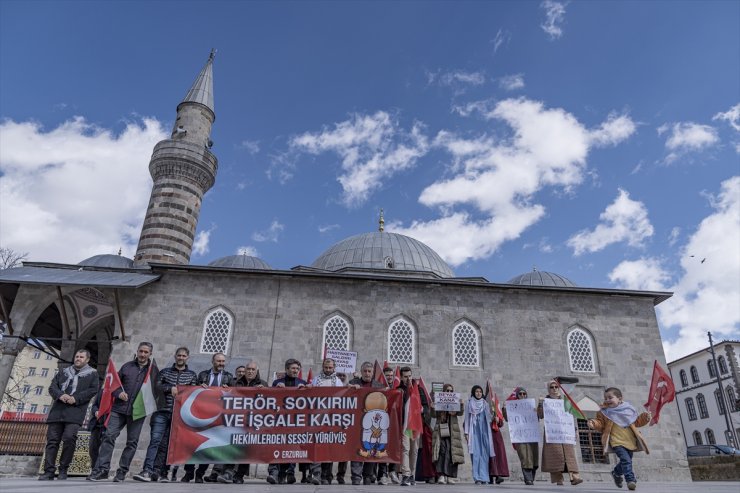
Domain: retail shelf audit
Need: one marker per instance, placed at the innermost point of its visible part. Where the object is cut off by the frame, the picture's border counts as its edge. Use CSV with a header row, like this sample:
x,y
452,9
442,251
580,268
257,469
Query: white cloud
x,y
327,227
511,82
76,190
673,237
270,234
202,241
685,137
467,109
251,146
624,220
372,147
456,77
731,116
554,17
502,37
707,293
499,179
248,250
614,130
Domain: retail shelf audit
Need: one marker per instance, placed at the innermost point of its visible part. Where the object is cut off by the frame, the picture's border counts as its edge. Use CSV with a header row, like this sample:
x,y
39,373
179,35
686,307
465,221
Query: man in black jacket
x,y
132,375
72,389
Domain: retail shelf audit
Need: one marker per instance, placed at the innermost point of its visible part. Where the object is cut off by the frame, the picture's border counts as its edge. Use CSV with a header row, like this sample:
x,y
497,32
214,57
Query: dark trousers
x,y
199,471
96,438
66,433
159,424
624,466
117,423
160,460
363,470
281,470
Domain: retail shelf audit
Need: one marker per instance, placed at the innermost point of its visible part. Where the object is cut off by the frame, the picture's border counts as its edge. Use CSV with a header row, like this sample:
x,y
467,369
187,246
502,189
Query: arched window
x,y
731,401
402,342
465,345
694,375
697,438
720,401
690,409
710,437
712,369
336,333
722,365
217,331
702,403
581,351
684,378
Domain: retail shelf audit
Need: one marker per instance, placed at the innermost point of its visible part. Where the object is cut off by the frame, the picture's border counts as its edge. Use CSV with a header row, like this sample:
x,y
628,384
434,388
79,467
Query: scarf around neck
x,y
477,406
71,376
623,415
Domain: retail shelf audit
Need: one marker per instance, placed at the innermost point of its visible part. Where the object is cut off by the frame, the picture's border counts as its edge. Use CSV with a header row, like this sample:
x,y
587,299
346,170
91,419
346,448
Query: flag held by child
x,y
662,391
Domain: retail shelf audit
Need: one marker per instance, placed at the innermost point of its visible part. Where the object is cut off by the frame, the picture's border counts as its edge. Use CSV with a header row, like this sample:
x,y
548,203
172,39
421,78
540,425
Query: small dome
x,y
382,250
240,262
108,260
538,278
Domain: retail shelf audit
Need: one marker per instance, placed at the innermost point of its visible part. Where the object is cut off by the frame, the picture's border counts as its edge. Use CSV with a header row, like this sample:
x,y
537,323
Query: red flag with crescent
x,y
662,391
111,384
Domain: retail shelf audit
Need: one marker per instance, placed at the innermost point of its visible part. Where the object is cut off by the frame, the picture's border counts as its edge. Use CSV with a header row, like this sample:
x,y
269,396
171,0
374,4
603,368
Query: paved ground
x,y
79,485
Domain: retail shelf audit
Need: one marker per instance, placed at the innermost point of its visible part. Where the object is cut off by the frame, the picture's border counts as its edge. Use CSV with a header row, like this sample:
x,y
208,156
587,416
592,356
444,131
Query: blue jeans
x,y
159,423
624,466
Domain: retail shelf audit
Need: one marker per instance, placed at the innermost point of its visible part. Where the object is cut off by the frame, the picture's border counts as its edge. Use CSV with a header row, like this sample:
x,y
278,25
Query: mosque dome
x,y
540,278
381,250
108,260
240,262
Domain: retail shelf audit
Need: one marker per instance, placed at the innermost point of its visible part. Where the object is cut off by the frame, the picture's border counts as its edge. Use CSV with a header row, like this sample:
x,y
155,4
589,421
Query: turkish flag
x,y
662,391
397,378
414,424
378,374
112,383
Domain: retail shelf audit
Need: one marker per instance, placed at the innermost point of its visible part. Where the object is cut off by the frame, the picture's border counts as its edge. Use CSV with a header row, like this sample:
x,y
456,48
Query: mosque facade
x,y
384,295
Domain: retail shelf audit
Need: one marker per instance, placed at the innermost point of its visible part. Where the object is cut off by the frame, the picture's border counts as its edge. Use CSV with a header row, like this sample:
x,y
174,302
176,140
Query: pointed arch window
x,y
402,342
731,400
690,409
712,369
720,401
684,378
710,437
694,375
581,351
722,365
465,345
217,328
337,333
702,404
697,438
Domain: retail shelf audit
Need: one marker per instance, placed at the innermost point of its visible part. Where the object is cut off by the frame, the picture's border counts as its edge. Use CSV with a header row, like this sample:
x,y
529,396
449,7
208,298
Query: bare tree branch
x,y
9,258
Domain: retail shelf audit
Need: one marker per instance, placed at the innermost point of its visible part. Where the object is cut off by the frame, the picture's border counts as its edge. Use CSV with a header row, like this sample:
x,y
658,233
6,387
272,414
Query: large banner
x,y
270,425
523,424
559,424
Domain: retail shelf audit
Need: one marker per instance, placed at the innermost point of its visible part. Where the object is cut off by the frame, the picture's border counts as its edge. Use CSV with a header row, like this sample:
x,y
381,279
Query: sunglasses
x,y
522,393
553,386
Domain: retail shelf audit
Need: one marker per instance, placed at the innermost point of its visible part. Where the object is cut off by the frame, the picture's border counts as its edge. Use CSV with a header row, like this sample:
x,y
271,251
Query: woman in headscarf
x,y
528,452
478,434
498,466
558,458
447,449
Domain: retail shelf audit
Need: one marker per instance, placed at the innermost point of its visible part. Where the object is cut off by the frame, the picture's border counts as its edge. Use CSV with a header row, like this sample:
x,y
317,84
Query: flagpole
x,y
728,419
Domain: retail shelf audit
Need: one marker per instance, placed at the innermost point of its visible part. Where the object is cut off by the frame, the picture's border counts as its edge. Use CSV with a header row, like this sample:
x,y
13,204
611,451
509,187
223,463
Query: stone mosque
x,y
384,295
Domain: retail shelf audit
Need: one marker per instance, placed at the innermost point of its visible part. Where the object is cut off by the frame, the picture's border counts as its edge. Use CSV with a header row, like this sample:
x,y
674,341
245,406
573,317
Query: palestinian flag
x,y
378,375
570,405
424,390
150,398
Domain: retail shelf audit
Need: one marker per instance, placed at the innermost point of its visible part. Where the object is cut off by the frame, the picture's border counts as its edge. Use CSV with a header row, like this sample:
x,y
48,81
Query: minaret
x,y
183,169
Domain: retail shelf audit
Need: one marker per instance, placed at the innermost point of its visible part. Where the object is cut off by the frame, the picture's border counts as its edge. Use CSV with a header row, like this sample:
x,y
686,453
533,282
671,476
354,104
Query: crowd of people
x,y
433,456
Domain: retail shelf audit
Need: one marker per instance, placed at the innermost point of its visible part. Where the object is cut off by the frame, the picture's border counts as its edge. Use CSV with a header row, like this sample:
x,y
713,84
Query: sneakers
x,y
315,480
98,476
631,486
187,478
144,476
225,478
47,476
406,481
62,476
383,481
290,478
271,479
238,479
617,480
576,481
394,477
442,479
120,477
451,480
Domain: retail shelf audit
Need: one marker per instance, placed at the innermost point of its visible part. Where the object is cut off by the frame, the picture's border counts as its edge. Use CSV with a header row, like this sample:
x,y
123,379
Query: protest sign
x,y
273,425
344,361
523,424
559,424
447,401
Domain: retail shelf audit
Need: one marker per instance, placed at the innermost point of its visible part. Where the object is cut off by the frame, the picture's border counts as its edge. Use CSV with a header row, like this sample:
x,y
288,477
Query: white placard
x,y
446,401
345,361
559,424
523,424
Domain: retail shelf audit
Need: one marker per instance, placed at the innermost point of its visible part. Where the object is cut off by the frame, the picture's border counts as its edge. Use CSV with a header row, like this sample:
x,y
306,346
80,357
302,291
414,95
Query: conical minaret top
x,y
202,90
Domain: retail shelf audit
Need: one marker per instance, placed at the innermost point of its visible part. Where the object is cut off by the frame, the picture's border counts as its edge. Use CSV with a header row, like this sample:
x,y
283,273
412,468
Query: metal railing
x,y
22,437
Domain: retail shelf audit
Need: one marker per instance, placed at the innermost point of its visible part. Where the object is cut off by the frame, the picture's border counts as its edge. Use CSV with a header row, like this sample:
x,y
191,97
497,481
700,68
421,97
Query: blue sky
x,y
598,140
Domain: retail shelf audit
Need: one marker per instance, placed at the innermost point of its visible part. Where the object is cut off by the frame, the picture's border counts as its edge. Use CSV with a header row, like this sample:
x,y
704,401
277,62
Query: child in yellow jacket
x,y
618,422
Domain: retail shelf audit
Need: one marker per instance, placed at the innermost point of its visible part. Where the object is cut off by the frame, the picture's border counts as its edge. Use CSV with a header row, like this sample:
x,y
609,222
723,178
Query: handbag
x,y
444,430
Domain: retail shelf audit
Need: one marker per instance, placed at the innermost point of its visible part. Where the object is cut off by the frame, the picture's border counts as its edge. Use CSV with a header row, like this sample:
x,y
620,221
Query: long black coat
x,y
87,387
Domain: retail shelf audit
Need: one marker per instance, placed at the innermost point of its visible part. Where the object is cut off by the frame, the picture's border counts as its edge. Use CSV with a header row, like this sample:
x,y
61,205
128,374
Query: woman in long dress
x,y
498,467
558,458
447,448
478,434
528,453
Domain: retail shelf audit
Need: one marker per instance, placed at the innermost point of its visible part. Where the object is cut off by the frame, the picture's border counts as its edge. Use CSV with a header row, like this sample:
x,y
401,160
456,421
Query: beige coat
x,y
458,454
604,425
557,457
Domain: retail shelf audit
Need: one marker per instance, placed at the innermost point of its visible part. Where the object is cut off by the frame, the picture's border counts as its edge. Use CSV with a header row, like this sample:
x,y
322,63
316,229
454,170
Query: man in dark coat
x,y
364,472
72,389
132,374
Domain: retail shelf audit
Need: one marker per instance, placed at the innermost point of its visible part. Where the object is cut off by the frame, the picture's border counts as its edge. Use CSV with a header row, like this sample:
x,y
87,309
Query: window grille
x,y
33,408
401,342
710,437
720,401
465,345
216,332
26,389
36,354
732,402
46,410
722,365
48,356
38,390
690,409
581,351
694,375
702,404
684,378
31,371
712,369
592,450
19,407
336,333
697,438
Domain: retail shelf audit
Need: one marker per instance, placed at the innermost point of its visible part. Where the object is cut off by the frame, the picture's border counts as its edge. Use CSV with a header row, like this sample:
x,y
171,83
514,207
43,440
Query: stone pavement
x,y
79,485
